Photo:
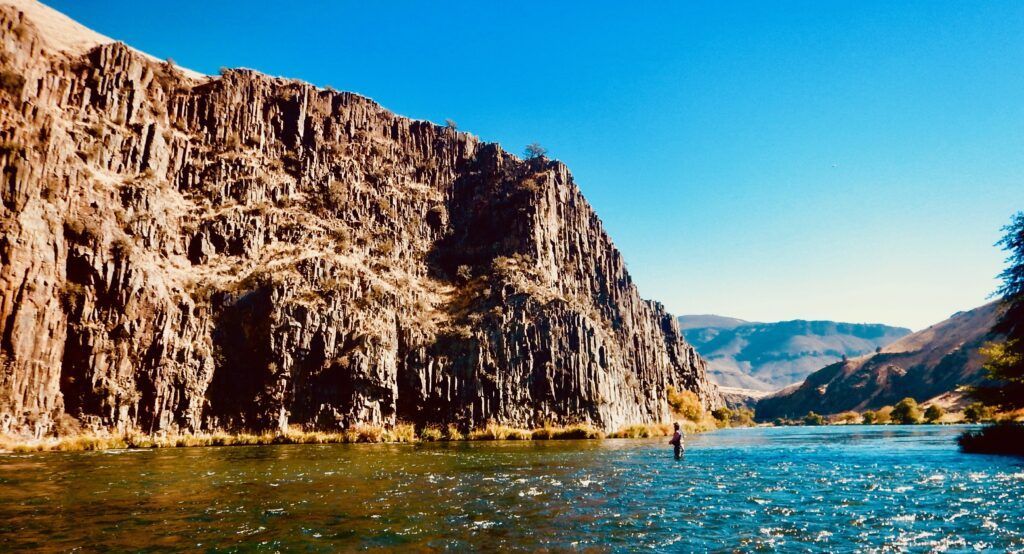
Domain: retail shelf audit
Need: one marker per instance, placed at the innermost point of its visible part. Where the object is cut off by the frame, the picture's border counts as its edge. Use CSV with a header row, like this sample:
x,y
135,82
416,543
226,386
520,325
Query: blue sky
x,y
817,160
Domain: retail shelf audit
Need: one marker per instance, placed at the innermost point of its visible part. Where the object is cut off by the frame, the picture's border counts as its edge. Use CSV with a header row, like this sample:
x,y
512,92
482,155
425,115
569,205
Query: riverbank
x,y
400,433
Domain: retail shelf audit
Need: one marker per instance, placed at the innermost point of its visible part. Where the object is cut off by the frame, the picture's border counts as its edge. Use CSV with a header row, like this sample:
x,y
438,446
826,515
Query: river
x,y
794,488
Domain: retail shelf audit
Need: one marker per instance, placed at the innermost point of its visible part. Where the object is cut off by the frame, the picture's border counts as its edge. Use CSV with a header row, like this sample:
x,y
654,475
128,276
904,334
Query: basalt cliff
x,y
184,253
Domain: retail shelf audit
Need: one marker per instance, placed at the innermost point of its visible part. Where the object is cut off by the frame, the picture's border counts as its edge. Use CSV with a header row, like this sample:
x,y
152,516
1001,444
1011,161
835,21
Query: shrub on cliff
x,y
11,82
686,404
906,412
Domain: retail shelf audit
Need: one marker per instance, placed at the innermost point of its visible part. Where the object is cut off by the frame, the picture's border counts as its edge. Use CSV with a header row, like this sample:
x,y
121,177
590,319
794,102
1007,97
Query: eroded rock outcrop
x,y
242,251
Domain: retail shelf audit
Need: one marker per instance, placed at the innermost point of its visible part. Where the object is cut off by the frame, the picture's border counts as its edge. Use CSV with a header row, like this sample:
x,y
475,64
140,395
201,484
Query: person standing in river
x,y
677,441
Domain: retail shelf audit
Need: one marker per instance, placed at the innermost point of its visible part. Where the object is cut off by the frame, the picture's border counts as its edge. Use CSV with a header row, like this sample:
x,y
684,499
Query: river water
x,y
795,489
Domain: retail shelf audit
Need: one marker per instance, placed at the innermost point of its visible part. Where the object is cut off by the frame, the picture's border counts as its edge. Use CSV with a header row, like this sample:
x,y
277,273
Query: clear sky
x,y
764,160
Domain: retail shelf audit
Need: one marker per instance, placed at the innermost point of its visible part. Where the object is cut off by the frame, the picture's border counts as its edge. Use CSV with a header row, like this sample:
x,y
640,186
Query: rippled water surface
x,y
813,489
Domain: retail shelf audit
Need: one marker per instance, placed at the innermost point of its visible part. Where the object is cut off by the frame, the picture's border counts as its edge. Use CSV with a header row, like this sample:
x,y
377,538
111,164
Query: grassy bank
x,y
355,434
402,433
687,408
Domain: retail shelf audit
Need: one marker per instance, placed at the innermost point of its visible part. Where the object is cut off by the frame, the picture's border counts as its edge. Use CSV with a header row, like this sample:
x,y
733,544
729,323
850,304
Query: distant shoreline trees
x,y
906,412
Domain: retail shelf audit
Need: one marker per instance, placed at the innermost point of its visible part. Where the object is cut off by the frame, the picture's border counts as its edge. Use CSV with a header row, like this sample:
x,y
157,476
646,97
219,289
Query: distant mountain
x,y
770,356
926,364
710,321
741,398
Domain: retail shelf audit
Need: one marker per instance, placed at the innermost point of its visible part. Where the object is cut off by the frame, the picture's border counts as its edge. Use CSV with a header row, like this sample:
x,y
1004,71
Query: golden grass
x,y
431,433
643,431
362,432
494,432
708,423
402,432
453,433
359,433
434,433
649,430
570,432
294,435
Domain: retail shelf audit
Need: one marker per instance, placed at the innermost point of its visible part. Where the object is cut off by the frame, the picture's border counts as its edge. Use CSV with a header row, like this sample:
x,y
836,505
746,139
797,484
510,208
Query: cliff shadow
x,y
246,380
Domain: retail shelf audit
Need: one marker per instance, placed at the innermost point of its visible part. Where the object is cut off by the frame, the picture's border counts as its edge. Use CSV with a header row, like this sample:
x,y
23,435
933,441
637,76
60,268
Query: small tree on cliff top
x,y
535,150
1005,360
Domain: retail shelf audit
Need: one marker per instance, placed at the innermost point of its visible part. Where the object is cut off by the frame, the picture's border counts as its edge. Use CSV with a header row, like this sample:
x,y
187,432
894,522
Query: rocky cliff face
x,y
241,251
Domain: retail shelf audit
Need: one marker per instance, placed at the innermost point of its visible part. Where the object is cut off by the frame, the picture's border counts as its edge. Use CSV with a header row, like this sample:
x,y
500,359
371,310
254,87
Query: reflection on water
x,y
827,488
